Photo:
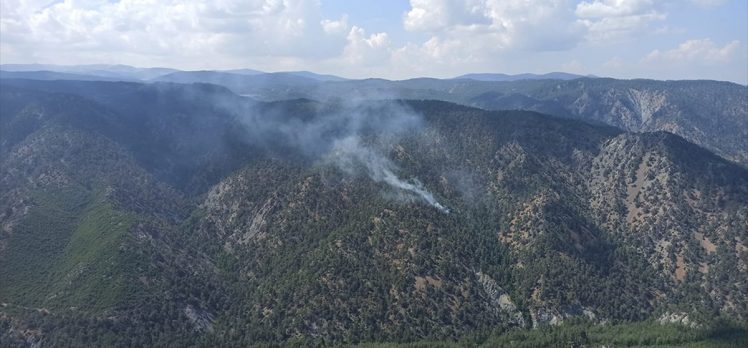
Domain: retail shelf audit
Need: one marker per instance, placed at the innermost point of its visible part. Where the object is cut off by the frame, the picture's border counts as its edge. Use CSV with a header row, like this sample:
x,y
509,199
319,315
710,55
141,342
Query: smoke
x,y
348,154
332,132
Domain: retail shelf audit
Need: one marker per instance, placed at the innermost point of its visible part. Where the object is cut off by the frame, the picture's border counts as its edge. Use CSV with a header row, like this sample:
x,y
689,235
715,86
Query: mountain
x,y
307,74
244,71
315,76
165,126
241,83
51,75
517,77
170,214
91,216
524,243
118,72
709,113
108,71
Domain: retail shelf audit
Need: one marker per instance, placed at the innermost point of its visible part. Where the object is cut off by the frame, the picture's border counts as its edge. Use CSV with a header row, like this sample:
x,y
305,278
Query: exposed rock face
x,y
500,299
647,103
545,316
707,113
677,318
201,319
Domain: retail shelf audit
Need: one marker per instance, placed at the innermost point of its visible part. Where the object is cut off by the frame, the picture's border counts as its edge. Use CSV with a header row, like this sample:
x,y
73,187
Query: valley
x,y
185,214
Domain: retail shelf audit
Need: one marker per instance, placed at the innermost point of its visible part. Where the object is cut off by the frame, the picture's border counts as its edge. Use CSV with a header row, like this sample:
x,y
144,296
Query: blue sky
x,y
668,39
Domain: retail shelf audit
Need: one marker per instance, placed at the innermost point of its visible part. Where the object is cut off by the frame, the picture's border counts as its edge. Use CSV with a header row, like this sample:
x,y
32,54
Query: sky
x,y
394,39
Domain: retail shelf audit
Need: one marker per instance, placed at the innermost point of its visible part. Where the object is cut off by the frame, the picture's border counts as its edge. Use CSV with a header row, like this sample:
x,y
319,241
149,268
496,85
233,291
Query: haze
x,y
697,39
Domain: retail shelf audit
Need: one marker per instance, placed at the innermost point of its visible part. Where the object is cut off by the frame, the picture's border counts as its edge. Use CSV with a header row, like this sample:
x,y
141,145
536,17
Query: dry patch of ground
x,y
632,191
705,242
680,268
423,282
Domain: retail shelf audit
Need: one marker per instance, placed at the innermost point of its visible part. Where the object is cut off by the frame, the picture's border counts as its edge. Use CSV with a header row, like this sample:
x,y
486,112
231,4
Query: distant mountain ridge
x,y
134,73
105,72
111,71
518,77
708,113
55,75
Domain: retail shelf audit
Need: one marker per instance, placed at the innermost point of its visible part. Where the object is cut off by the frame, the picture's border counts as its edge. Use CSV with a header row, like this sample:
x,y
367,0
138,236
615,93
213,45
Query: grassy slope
x,y
65,253
642,334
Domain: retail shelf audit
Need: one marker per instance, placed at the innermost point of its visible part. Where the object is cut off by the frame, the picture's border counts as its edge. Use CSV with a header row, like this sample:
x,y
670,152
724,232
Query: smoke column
x,y
348,153
334,136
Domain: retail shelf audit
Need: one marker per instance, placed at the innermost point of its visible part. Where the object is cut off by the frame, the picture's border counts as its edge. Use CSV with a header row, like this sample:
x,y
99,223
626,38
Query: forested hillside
x,y
186,215
707,113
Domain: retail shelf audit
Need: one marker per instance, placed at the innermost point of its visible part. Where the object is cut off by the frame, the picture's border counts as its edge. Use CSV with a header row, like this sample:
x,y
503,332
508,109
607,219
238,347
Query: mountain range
x,y
126,72
518,77
239,208
707,113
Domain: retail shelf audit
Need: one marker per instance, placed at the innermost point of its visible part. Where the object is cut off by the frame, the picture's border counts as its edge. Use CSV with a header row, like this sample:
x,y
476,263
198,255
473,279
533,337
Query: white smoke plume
x,y
332,132
348,154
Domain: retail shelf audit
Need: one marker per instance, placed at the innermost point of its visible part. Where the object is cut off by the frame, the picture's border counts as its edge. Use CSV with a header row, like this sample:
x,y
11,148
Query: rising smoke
x,y
348,154
332,133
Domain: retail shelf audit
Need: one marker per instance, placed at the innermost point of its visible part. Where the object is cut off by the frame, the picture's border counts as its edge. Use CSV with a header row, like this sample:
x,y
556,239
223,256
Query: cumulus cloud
x,y
612,8
428,15
335,27
608,20
698,50
152,28
366,50
476,30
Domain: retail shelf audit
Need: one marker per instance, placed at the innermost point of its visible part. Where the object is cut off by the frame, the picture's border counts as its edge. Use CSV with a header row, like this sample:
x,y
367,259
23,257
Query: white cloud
x,y
699,50
229,30
335,27
363,50
444,37
608,20
428,15
709,3
612,8
485,35
469,31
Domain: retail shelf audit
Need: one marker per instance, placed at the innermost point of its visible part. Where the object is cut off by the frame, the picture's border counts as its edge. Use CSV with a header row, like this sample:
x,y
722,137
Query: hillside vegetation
x,y
185,215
